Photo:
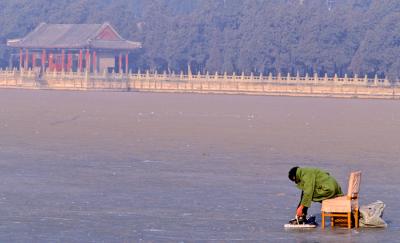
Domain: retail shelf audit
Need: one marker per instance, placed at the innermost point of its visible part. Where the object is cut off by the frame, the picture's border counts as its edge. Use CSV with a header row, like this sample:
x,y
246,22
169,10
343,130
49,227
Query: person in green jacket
x,y
316,185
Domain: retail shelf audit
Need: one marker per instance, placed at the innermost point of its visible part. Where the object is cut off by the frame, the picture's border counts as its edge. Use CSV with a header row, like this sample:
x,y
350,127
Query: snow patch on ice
x,y
152,161
154,230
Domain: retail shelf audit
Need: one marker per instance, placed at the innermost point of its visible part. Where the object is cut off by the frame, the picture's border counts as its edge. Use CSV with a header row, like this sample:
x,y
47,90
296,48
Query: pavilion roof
x,y
74,36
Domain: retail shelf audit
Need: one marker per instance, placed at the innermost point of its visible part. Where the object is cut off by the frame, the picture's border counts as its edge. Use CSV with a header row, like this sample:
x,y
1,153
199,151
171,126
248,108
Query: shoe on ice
x,y
298,220
302,222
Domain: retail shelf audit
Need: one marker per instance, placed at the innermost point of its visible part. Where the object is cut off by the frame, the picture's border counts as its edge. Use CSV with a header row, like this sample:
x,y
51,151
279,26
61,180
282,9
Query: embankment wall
x,y
345,87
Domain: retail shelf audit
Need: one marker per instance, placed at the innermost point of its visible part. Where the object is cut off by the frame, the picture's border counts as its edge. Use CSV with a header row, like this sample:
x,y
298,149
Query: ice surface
x,y
77,166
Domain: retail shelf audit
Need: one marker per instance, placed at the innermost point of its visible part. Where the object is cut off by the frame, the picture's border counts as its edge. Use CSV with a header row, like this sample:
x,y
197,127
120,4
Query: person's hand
x,y
299,211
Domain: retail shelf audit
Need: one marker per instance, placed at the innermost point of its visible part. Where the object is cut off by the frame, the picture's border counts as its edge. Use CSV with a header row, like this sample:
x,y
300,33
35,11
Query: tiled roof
x,y
118,44
71,36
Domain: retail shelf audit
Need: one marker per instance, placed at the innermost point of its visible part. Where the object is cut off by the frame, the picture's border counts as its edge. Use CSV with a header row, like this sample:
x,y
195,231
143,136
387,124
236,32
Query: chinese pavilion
x,y
74,47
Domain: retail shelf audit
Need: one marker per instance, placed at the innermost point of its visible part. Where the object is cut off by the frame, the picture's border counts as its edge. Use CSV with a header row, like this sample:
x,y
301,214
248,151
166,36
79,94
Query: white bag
x,y
371,215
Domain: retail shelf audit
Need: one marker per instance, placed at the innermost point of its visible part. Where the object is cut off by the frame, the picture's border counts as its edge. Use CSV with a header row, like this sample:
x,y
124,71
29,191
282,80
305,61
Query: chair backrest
x,y
354,185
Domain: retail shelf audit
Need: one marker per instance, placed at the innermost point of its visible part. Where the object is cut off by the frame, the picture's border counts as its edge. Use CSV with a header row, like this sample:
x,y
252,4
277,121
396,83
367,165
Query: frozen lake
x,y
114,167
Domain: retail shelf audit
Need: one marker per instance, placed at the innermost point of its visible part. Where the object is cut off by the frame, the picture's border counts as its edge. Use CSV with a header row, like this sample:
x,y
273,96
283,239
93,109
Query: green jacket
x,y
317,185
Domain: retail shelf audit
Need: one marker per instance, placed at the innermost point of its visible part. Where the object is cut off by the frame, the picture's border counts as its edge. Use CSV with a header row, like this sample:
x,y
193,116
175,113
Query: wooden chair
x,y
342,207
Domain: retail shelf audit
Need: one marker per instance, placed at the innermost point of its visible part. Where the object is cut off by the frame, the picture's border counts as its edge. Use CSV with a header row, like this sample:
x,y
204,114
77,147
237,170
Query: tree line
x,y
260,36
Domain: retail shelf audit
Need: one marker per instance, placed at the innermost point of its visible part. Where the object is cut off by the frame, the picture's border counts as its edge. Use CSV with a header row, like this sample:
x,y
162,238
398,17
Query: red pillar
x,y
21,54
69,65
88,61
33,60
80,61
127,63
62,60
51,61
44,60
94,62
120,63
27,58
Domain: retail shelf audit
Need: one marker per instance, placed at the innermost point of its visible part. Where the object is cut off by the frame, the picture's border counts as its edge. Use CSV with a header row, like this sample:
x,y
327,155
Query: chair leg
x,y
349,220
332,222
323,220
356,218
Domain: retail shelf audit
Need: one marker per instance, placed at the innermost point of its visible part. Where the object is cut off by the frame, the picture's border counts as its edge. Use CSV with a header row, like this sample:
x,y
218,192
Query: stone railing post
x,y
270,77
189,72
86,81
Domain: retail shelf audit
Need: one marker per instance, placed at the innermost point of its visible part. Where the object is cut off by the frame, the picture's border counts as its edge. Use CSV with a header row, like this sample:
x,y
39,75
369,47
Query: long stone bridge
x,y
314,85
